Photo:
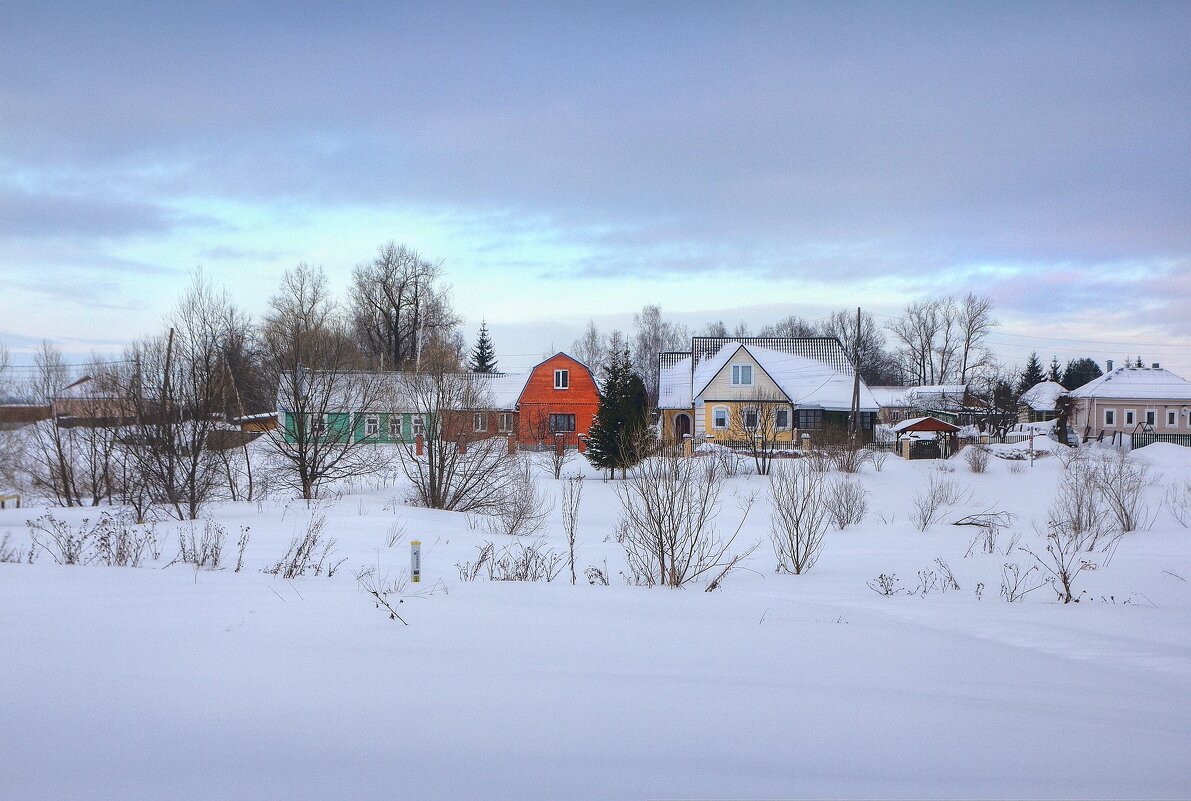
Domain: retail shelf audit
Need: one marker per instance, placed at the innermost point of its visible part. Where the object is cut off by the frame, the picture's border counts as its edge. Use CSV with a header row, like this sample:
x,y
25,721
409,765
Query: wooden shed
x,y
926,438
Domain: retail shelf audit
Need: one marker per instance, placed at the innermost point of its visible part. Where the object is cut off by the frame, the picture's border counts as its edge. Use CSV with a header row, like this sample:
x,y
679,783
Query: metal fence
x,y
1141,439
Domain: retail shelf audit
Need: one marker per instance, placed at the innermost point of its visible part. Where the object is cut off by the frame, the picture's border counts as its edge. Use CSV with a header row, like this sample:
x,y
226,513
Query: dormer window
x,y
742,375
562,379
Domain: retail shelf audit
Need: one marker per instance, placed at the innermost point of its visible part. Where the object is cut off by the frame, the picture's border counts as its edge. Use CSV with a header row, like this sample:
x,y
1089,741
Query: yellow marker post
x,y
415,560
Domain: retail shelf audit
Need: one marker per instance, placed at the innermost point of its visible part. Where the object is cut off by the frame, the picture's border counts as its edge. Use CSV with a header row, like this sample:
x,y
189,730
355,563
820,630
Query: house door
x,y
682,426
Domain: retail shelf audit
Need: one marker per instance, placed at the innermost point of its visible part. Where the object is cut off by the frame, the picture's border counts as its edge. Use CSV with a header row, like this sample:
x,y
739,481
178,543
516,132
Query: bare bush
x,y
10,553
309,553
1080,506
878,459
847,503
596,576
977,457
801,515
1016,583
572,494
1178,502
941,578
113,540
928,506
847,458
668,534
1122,483
886,584
202,549
1017,468
521,508
241,544
1066,543
515,562
394,535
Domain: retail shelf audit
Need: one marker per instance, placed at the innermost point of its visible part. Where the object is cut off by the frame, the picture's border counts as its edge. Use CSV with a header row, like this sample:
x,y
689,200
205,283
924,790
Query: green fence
x,y
1140,440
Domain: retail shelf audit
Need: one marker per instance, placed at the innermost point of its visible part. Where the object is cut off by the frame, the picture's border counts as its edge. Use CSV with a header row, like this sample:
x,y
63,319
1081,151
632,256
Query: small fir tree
x,y
483,355
1055,373
614,439
1032,375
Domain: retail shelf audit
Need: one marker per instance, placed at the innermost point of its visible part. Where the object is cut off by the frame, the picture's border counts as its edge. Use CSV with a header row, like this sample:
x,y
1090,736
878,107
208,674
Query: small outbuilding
x,y
926,438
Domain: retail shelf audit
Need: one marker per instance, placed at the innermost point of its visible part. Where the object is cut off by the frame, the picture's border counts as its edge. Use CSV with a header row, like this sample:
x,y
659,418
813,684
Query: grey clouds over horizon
x,y
1039,153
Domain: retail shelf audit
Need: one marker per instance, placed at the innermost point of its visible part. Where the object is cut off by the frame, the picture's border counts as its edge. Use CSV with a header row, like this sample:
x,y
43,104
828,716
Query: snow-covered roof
x,y
395,391
933,396
891,396
1137,383
939,424
674,385
1043,396
808,383
503,390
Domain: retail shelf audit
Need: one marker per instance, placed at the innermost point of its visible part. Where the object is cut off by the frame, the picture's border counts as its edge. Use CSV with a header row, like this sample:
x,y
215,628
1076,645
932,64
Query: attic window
x,y
742,375
562,379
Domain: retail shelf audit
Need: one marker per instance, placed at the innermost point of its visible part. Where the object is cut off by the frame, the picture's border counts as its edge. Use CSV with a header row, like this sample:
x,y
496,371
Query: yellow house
x,y
778,388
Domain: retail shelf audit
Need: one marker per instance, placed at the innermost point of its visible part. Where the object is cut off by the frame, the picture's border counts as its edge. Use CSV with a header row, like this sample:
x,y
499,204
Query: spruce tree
x,y
1080,372
1054,373
614,437
483,355
1032,375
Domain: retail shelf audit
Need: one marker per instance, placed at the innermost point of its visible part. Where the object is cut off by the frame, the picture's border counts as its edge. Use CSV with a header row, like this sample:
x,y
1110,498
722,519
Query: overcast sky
x,y
724,160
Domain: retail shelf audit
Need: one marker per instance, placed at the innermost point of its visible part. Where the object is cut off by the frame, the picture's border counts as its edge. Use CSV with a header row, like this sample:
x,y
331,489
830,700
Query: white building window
x,y
1110,417
742,375
781,418
394,426
417,425
748,419
1130,417
1172,418
719,417
562,379
506,422
479,421
318,425
1151,417
371,426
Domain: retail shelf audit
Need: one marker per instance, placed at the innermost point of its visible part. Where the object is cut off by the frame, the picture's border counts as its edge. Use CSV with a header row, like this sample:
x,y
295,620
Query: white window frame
x,y
1130,417
394,426
1148,414
738,374
744,418
372,425
789,418
319,424
479,422
715,410
1172,418
416,425
562,379
1110,417
505,422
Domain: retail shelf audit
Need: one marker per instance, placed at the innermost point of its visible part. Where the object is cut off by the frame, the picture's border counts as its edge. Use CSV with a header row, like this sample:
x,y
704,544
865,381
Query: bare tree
x,y
670,506
790,326
762,420
572,494
801,516
558,448
458,474
521,508
652,336
320,386
976,323
399,307
864,346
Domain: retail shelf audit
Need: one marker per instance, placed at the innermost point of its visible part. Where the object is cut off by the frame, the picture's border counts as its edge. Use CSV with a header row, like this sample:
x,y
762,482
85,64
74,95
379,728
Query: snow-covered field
x,y
166,682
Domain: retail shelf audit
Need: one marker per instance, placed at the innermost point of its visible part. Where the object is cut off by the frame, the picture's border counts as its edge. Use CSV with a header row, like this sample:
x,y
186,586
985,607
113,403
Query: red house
x,y
560,396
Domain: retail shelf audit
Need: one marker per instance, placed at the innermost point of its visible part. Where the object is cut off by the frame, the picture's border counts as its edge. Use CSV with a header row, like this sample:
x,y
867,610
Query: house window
x,y
417,425
479,421
748,419
394,426
1130,417
561,423
562,380
1110,417
810,418
868,420
1151,417
719,417
781,418
371,426
1172,418
506,422
742,375
318,425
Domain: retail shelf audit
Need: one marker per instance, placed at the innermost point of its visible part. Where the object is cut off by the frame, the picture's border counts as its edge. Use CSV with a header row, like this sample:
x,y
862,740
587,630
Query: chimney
x,y
1109,370
1157,366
